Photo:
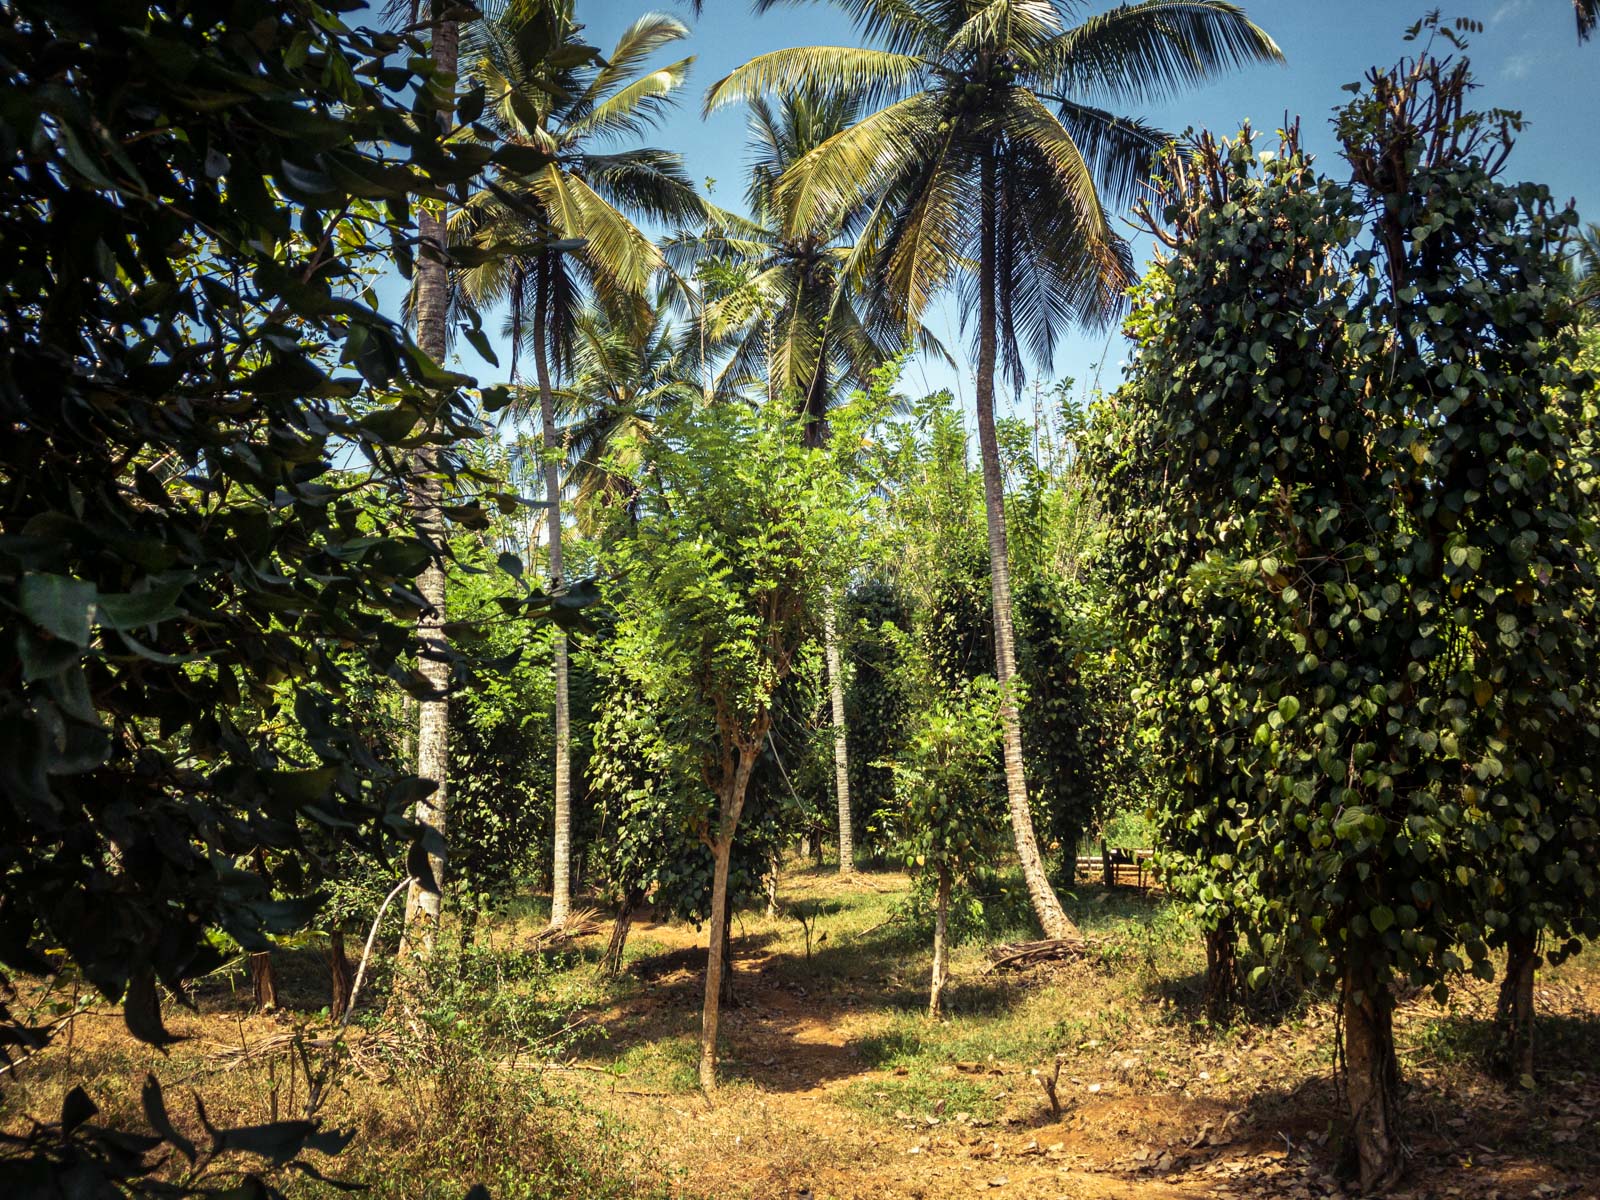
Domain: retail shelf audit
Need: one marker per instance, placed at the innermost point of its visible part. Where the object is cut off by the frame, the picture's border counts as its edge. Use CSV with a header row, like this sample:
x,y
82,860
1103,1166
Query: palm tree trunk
x,y
433,714
1046,907
841,747
561,873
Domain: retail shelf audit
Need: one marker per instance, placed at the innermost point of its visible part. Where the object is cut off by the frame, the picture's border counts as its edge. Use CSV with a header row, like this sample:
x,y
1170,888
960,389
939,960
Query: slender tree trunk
x,y
772,885
1371,1079
340,975
941,930
561,872
731,803
841,748
611,963
433,713
1046,907
263,982
1221,971
1513,1019
729,1000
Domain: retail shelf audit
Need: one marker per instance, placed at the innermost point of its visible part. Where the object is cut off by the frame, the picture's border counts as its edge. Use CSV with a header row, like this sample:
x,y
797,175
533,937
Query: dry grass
x,y
838,1086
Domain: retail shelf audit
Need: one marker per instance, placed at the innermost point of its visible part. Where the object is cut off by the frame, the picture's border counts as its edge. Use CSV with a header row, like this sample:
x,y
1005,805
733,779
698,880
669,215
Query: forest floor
x,y
838,1087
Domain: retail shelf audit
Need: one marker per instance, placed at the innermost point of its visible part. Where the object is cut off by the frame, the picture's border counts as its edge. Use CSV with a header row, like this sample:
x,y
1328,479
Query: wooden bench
x,y
1118,867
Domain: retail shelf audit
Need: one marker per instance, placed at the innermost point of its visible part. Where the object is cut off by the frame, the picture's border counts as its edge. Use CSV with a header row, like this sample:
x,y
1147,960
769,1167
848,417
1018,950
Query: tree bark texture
x,y
730,804
1222,972
433,714
841,747
1046,906
340,975
1513,1018
561,871
611,963
1371,1079
263,982
729,1000
941,939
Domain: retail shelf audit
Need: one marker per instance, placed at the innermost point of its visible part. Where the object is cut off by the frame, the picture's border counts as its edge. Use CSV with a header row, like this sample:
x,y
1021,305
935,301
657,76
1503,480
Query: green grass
x,y
924,1093
663,1064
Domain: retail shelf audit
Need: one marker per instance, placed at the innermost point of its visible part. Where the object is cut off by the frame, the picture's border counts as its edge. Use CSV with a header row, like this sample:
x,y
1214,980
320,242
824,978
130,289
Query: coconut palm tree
x,y
564,232
628,368
808,321
990,161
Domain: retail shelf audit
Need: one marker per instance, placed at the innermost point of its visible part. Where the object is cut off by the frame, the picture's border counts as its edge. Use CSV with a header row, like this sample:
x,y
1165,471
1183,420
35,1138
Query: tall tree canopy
x,y
559,230
988,168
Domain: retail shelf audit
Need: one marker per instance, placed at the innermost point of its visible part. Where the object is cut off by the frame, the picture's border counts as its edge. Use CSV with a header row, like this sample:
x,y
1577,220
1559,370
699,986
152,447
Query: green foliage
x,y
1354,535
876,712
1084,757
950,822
195,196
991,147
717,589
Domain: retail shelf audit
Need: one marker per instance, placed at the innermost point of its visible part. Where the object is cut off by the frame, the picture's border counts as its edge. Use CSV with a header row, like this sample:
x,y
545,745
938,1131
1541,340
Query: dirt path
x,y
806,1115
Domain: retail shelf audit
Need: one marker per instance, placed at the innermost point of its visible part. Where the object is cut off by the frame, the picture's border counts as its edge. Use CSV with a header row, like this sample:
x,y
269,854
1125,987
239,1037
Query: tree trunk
x,y
730,804
772,886
1513,1018
263,983
841,749
340,975
1222,973
941,928
1046,907
729,1000
611,963
433,713
561,872
1371,1079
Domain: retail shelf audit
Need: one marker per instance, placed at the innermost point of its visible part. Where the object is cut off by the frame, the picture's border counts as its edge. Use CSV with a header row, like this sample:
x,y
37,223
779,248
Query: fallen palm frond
x,y
581,924
1026,954
370,1052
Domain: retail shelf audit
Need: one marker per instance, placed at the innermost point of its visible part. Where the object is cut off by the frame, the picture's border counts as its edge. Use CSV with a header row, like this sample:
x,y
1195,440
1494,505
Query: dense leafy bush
x,y
1352,535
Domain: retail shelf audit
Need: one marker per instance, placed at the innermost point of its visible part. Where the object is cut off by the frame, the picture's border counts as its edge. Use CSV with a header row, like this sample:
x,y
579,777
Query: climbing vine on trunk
x,y
1354,536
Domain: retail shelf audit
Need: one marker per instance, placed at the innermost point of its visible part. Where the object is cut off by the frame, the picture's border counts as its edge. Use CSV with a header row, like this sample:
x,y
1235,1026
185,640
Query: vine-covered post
x,y
1355,540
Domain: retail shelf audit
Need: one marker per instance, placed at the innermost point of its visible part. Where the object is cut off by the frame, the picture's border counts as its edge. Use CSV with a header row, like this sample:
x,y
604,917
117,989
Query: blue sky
x,y
1527,58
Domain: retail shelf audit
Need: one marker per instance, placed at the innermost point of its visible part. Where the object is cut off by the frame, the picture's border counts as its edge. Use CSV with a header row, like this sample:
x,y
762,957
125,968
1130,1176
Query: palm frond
x,y
877,76
905,26
924,248
635,109
649,33
645,182
869,157
1002,26
615,250
1148,51
1121,151
1028,123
